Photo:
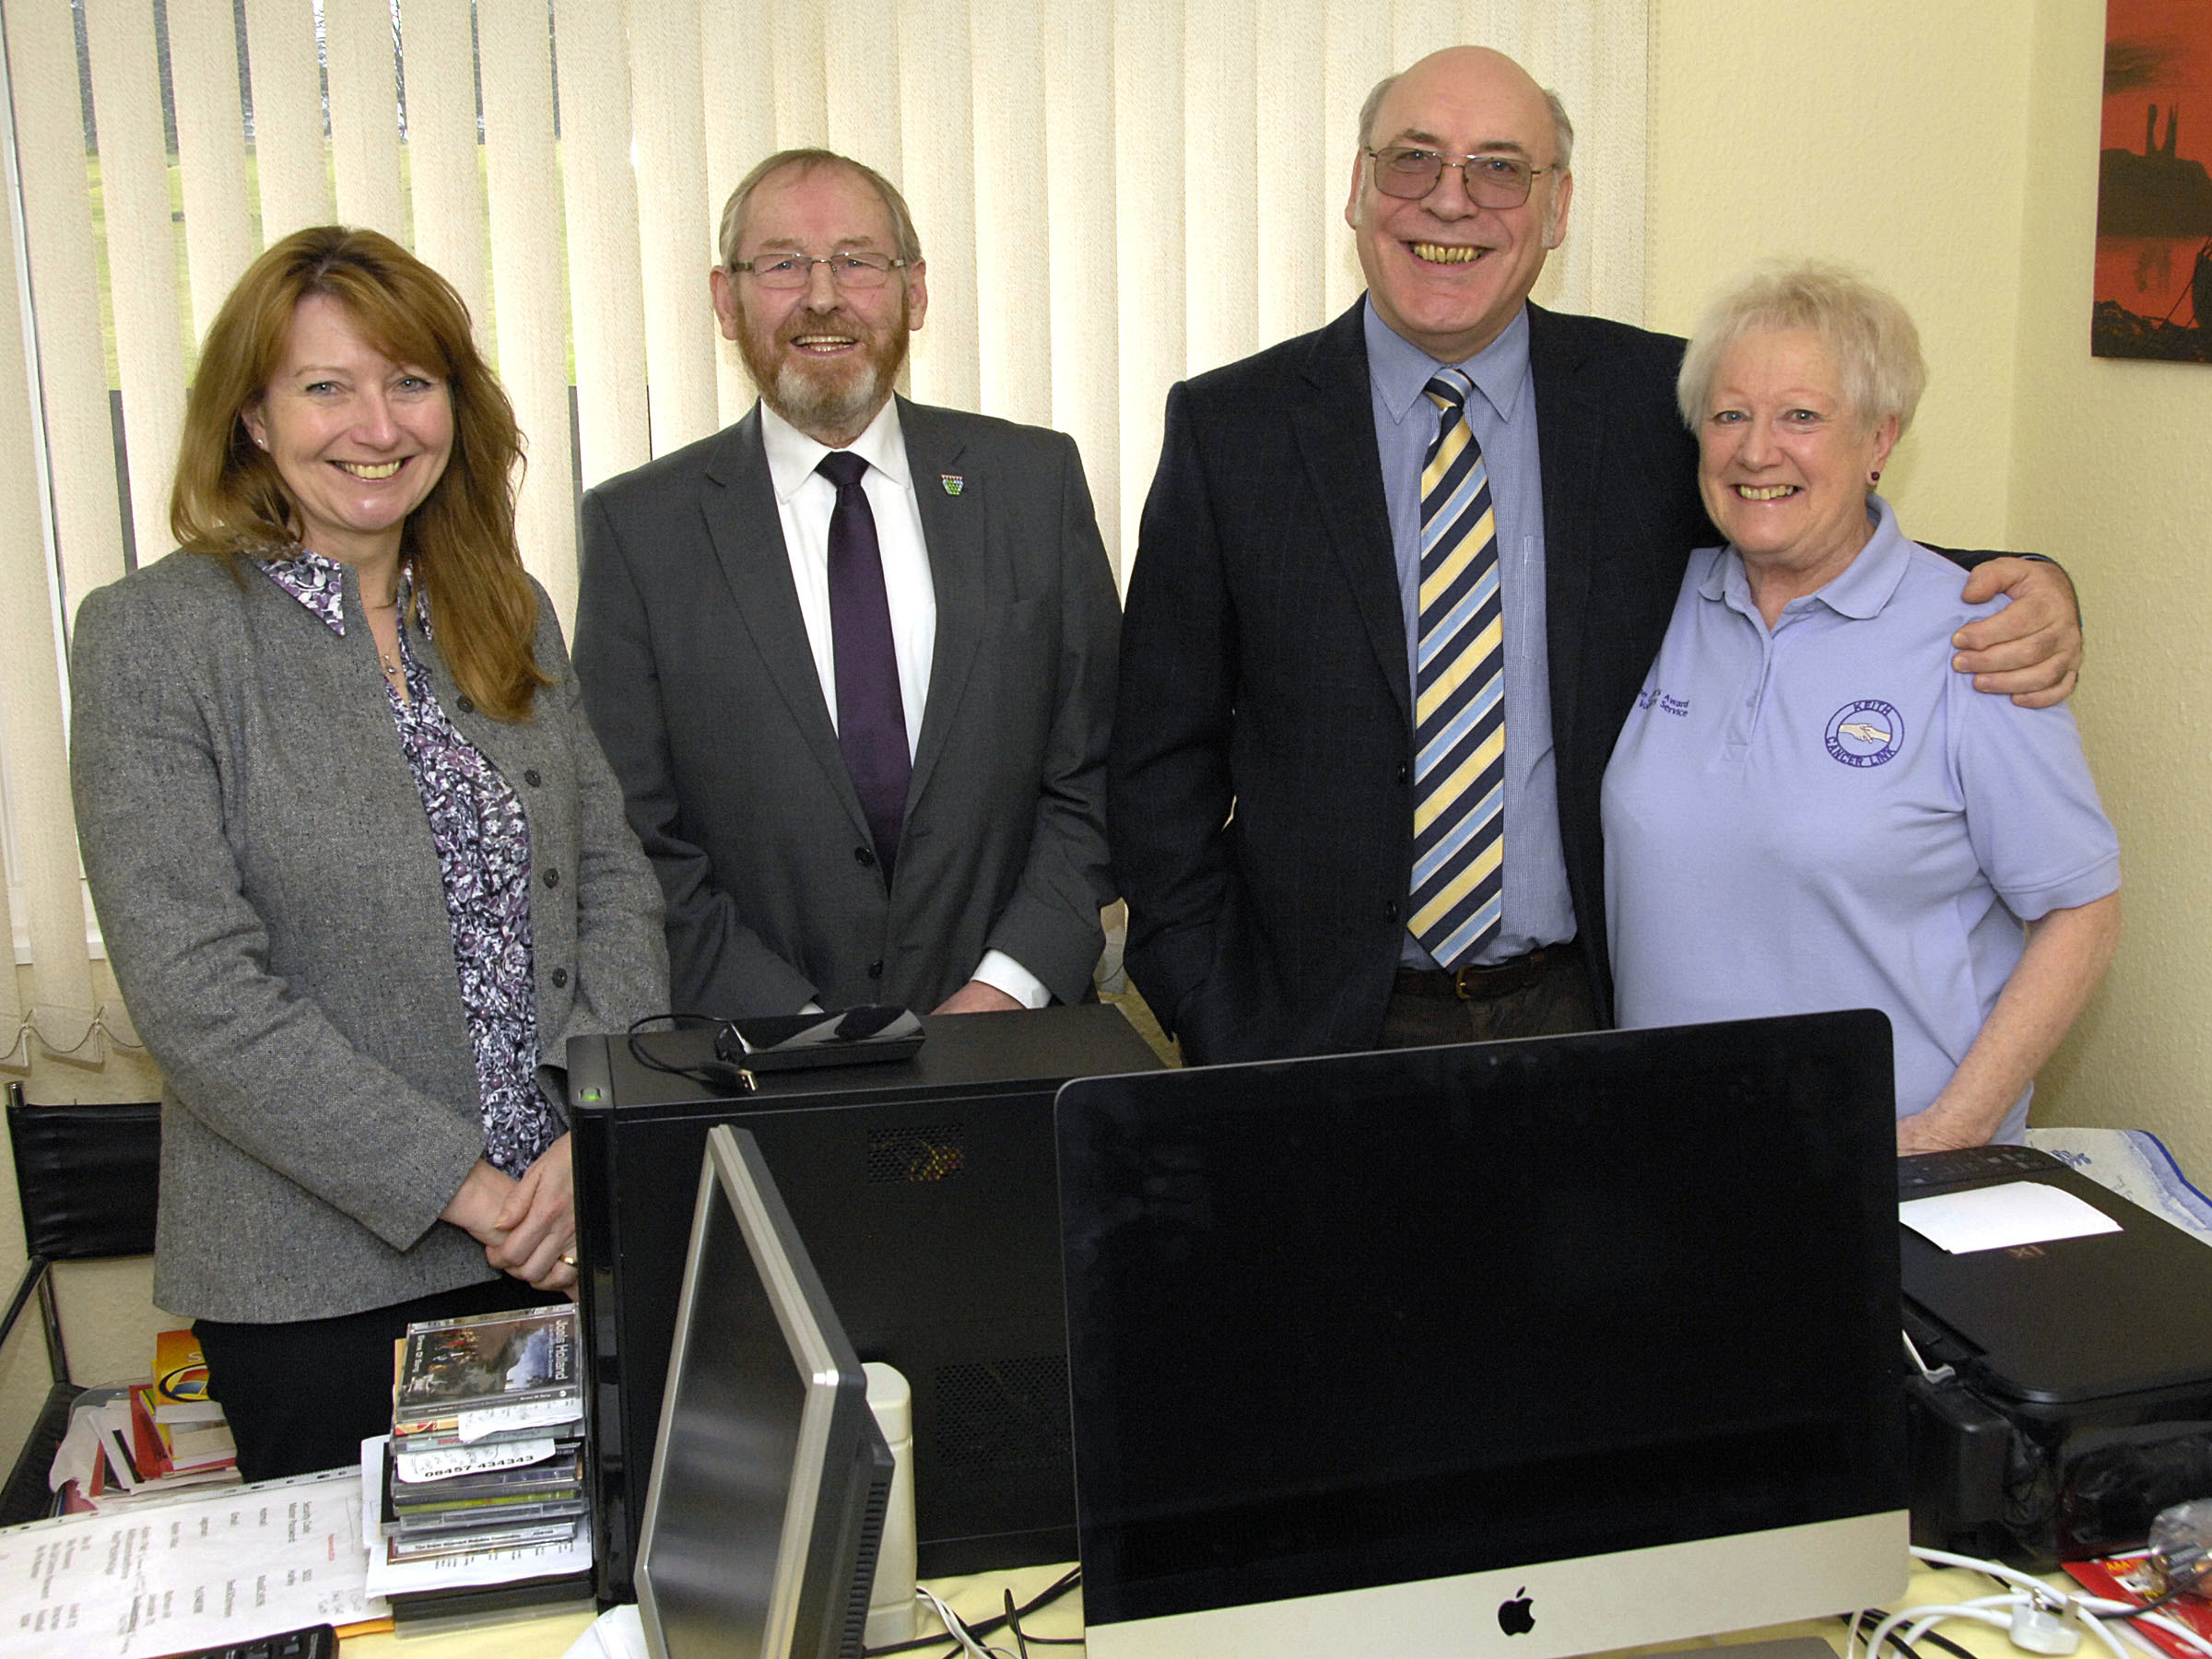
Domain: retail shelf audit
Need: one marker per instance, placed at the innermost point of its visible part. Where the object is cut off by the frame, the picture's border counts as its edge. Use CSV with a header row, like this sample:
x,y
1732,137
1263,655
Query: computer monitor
x,y
1527,1349
769,1481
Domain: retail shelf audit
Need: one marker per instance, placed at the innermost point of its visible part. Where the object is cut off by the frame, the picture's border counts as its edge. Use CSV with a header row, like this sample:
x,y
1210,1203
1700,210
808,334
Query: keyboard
x,y
316,1641
1926,1172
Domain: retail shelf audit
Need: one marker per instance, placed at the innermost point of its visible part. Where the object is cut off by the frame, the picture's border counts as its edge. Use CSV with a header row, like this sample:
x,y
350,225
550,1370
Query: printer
x,y
2062,1390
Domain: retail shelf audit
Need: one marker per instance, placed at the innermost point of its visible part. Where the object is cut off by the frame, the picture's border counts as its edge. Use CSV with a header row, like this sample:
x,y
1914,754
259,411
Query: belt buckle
x,y
1461,979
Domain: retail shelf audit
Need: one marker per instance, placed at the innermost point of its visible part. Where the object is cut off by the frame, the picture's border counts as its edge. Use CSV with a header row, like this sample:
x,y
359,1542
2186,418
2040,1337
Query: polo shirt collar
x,y
1401,370
1864,586
793,456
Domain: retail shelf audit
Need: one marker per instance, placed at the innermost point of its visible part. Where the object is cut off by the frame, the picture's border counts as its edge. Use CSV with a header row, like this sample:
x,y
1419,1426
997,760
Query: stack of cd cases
x,y
486,1449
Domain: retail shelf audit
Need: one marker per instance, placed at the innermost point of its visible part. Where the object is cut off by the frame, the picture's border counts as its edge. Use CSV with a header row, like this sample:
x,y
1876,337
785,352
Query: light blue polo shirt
x,y
1827,815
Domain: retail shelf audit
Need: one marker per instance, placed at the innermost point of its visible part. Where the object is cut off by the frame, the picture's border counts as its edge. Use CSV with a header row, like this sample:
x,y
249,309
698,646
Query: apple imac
x,y
769,1482
1519,1349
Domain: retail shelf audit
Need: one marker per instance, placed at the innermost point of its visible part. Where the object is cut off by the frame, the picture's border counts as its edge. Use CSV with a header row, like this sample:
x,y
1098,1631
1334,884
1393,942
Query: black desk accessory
x,y
2067,1395
314,1641
863,1036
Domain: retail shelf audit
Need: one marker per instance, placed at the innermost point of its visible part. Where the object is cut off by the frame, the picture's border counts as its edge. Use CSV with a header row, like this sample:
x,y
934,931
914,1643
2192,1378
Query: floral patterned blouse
x,y
483,846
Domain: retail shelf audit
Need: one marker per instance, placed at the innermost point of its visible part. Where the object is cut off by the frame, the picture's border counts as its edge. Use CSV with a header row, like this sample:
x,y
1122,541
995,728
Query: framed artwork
x,y
2154,199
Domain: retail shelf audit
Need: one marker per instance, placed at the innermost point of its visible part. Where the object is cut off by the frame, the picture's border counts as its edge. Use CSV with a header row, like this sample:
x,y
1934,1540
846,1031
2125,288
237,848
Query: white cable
x,y
2102,1607
1934,1612
2174,1627
2097,1627
2139,1645
1997,1569
2095,1609
957,1630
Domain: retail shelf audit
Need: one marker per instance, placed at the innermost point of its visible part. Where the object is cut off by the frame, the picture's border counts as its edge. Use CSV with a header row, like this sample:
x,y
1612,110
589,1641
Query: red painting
x,y
2154,196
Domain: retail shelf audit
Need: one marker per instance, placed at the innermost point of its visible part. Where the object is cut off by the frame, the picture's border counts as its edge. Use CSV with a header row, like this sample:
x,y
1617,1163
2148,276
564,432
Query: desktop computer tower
x,y
926,1194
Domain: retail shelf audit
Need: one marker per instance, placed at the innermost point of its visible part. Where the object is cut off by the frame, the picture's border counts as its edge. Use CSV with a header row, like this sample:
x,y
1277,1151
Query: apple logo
x,y
1513,1617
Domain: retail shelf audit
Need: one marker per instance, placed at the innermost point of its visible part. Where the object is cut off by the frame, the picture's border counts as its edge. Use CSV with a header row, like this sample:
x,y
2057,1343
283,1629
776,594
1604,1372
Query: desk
x,y
548,1638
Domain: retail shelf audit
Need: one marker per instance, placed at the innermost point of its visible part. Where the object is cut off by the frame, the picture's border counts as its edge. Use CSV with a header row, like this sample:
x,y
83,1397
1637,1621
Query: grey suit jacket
x,y
272,904
699,678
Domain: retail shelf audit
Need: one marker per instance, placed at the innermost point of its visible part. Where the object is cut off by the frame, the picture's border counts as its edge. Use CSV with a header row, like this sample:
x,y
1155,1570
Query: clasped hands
x,y
528,1226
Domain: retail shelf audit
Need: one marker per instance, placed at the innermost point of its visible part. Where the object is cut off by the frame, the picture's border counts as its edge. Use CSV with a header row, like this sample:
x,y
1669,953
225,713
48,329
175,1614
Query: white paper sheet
x,y
617,1633
1999,1217
195,1570
535,1414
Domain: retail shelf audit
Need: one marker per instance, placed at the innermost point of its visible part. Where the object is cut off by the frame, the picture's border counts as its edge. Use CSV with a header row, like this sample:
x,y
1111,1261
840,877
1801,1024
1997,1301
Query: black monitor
x,y
1531,1348
771,1479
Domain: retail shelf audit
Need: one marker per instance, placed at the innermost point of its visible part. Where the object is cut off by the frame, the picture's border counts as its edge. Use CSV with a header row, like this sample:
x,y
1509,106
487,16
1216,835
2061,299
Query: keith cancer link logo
x,y
1865,733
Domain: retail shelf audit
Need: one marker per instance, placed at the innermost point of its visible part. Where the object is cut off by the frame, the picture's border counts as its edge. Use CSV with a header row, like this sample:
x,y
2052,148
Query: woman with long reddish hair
x,y
361,867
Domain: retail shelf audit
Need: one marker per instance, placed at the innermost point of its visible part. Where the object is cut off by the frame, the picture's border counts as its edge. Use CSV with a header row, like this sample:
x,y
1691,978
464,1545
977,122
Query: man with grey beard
x,y
852,658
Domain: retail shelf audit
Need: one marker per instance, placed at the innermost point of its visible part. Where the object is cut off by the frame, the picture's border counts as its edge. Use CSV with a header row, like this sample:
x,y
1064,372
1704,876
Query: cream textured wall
x,y
2110,472
1887,135
1951,153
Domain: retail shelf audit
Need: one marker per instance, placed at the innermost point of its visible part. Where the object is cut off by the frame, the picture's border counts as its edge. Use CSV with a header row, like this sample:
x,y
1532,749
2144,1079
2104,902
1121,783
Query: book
x,y
181,1381
453,1368
168,1451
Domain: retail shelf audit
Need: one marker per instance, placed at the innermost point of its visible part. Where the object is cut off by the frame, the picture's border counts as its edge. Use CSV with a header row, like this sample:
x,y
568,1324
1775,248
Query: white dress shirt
x,y
804,499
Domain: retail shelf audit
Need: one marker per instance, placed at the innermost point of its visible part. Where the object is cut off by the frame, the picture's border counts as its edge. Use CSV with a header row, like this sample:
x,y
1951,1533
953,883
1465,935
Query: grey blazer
x,y
699,678
272,905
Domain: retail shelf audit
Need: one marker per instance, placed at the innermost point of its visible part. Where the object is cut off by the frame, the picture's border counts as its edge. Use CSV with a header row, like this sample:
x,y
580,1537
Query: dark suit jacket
x,y
1263,671
699,678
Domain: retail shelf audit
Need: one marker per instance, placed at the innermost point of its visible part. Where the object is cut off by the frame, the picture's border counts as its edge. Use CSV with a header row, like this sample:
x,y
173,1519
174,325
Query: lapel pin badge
x,y
953,483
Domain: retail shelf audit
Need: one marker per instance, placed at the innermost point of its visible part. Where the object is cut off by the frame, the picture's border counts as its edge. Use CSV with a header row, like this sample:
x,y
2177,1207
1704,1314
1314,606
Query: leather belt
x,y
1488,983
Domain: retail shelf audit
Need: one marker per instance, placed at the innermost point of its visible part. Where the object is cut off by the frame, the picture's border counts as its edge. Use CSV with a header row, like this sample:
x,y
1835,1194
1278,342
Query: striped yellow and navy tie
x,y
1459,707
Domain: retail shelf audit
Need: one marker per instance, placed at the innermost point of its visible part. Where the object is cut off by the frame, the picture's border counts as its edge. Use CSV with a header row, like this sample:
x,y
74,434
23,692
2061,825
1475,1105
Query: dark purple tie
x,y
870,719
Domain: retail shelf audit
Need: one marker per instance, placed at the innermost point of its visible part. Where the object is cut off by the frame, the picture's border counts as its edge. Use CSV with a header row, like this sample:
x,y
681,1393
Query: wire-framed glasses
x,y
855,271
1492,181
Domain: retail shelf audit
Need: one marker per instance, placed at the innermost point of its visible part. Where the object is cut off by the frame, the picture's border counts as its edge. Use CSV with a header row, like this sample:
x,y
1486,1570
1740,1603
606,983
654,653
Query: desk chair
x,y
88,1177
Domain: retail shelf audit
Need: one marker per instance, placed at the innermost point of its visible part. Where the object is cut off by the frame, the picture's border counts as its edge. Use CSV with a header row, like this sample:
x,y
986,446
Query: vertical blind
x,y
1110,193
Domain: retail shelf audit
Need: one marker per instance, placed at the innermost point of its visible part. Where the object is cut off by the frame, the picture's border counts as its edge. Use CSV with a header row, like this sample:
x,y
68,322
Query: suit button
x,y
561,977
552,879
467,706
1401,771
1390,910
532,778
865,857
875,968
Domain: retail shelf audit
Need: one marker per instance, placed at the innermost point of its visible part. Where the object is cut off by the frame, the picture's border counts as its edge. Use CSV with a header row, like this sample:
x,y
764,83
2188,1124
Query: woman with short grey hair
x,y
1807,808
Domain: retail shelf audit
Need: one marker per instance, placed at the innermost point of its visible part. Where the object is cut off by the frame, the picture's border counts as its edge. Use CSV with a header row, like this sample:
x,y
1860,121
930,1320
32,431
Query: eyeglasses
x,y
1491,181
858,272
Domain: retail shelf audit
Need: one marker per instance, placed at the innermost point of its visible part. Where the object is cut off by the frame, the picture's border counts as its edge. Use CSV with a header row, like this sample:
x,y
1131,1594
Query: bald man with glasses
x,y
852,658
